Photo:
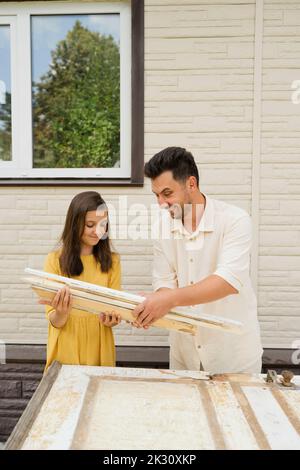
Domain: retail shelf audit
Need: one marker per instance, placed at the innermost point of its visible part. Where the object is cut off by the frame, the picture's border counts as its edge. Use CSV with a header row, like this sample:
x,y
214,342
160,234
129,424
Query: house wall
x,y
200,63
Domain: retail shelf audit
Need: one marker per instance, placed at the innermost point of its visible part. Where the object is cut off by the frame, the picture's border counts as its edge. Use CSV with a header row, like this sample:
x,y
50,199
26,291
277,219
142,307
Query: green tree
x,y
76,104
5,128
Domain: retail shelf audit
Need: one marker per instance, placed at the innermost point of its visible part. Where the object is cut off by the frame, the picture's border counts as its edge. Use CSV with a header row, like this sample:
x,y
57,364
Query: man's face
x,y
171,194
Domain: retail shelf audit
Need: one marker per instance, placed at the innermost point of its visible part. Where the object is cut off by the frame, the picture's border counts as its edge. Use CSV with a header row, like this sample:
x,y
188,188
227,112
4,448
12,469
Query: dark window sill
x,y
70,182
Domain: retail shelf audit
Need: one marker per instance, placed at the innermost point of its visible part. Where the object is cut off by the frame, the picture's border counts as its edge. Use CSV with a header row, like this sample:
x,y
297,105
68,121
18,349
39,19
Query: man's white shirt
x,y
220,245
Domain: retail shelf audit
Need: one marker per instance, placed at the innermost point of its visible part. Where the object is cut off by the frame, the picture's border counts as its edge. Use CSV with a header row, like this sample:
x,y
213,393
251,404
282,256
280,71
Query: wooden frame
x,y
90,407
27,419
137,117
94,299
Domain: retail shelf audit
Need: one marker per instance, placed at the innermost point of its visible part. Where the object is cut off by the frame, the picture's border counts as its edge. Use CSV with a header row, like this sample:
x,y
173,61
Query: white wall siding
x,y
279,249
199,93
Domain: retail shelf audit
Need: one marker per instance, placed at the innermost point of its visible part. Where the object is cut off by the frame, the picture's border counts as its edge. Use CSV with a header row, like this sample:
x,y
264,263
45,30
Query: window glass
x,y
5,94
76,90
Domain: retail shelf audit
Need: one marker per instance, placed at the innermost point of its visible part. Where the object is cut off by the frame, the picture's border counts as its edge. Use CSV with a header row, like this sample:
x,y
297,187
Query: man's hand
x,y
155,306
159,303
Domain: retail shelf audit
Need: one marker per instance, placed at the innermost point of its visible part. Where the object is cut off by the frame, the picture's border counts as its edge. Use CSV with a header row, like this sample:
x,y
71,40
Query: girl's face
x,y
94,228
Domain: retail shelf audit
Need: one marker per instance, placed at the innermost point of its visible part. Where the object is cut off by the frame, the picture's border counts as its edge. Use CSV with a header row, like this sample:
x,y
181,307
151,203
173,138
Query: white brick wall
x,y
279,249
199,63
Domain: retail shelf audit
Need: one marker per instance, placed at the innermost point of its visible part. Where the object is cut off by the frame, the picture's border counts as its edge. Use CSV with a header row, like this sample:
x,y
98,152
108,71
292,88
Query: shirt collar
x,y
206,223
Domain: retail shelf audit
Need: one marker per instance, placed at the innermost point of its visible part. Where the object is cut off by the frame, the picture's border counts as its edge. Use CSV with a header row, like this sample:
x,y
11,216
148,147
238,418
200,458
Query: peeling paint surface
x,y
122,408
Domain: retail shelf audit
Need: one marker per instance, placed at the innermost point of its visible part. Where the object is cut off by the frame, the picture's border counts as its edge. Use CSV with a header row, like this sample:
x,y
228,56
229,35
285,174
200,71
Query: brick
x,y
7,202
6,426
12,404
10,389
245,50
29,387
11,414
35,235
21,371
16,293
284,324
58,207
279,239
13,217
8,324
291,207
185,109
292,17
37,323
41,219
31,204
8,236
230,12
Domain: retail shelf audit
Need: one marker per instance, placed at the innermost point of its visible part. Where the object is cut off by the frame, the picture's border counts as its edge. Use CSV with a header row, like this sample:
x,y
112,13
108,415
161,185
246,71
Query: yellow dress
x,y
83,340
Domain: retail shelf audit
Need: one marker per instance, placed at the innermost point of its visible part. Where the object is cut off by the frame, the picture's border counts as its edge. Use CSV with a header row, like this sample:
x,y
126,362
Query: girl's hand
x,y
109,319
62,304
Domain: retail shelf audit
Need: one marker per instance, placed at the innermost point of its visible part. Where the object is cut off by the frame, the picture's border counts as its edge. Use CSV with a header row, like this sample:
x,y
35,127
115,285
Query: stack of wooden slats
x,y
95,299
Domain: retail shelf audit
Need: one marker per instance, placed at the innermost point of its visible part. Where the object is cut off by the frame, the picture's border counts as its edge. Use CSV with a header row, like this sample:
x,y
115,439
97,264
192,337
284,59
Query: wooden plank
x,y
249,414
289,400
27,419
212,417
272,418
233,424
136,414
96,306
82,290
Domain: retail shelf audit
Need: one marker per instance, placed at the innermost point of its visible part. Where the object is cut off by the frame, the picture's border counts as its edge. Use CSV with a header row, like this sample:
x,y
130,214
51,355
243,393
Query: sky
x,y
4,59
48,30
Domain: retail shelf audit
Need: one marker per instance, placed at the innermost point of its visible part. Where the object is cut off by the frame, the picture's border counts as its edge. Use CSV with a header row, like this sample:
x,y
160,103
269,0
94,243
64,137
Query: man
x,y
202,262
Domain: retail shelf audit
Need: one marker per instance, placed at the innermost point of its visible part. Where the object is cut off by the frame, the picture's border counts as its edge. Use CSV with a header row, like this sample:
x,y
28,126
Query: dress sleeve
x,y
51,265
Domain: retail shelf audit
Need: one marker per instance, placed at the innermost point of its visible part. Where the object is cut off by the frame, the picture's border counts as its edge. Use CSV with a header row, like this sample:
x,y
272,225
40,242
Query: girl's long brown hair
x,y
70,262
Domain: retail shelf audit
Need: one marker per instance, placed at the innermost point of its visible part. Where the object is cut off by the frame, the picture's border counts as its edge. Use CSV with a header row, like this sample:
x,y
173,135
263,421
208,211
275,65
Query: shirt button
x,y
191,260
192,282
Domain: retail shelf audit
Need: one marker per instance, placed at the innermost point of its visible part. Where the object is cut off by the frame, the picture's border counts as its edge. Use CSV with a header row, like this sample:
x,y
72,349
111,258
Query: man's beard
x,y
178,210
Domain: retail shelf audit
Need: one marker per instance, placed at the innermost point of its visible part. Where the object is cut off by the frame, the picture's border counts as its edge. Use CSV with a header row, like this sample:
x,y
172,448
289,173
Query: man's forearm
x,y
158,304
208,290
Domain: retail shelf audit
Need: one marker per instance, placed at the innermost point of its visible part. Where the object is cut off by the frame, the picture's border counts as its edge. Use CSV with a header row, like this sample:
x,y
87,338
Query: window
x,y
5,94
69,84
7,32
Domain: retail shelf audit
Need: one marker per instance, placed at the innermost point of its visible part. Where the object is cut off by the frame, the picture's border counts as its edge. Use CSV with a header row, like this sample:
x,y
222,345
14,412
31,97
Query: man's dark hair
x,y
175,159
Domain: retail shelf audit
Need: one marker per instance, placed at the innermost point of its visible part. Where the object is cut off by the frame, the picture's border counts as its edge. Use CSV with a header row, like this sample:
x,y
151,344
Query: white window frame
x,y
11,22
19,17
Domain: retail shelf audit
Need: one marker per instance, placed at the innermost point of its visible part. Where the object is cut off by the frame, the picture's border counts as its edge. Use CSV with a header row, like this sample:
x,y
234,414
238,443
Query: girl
x,y
75,336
